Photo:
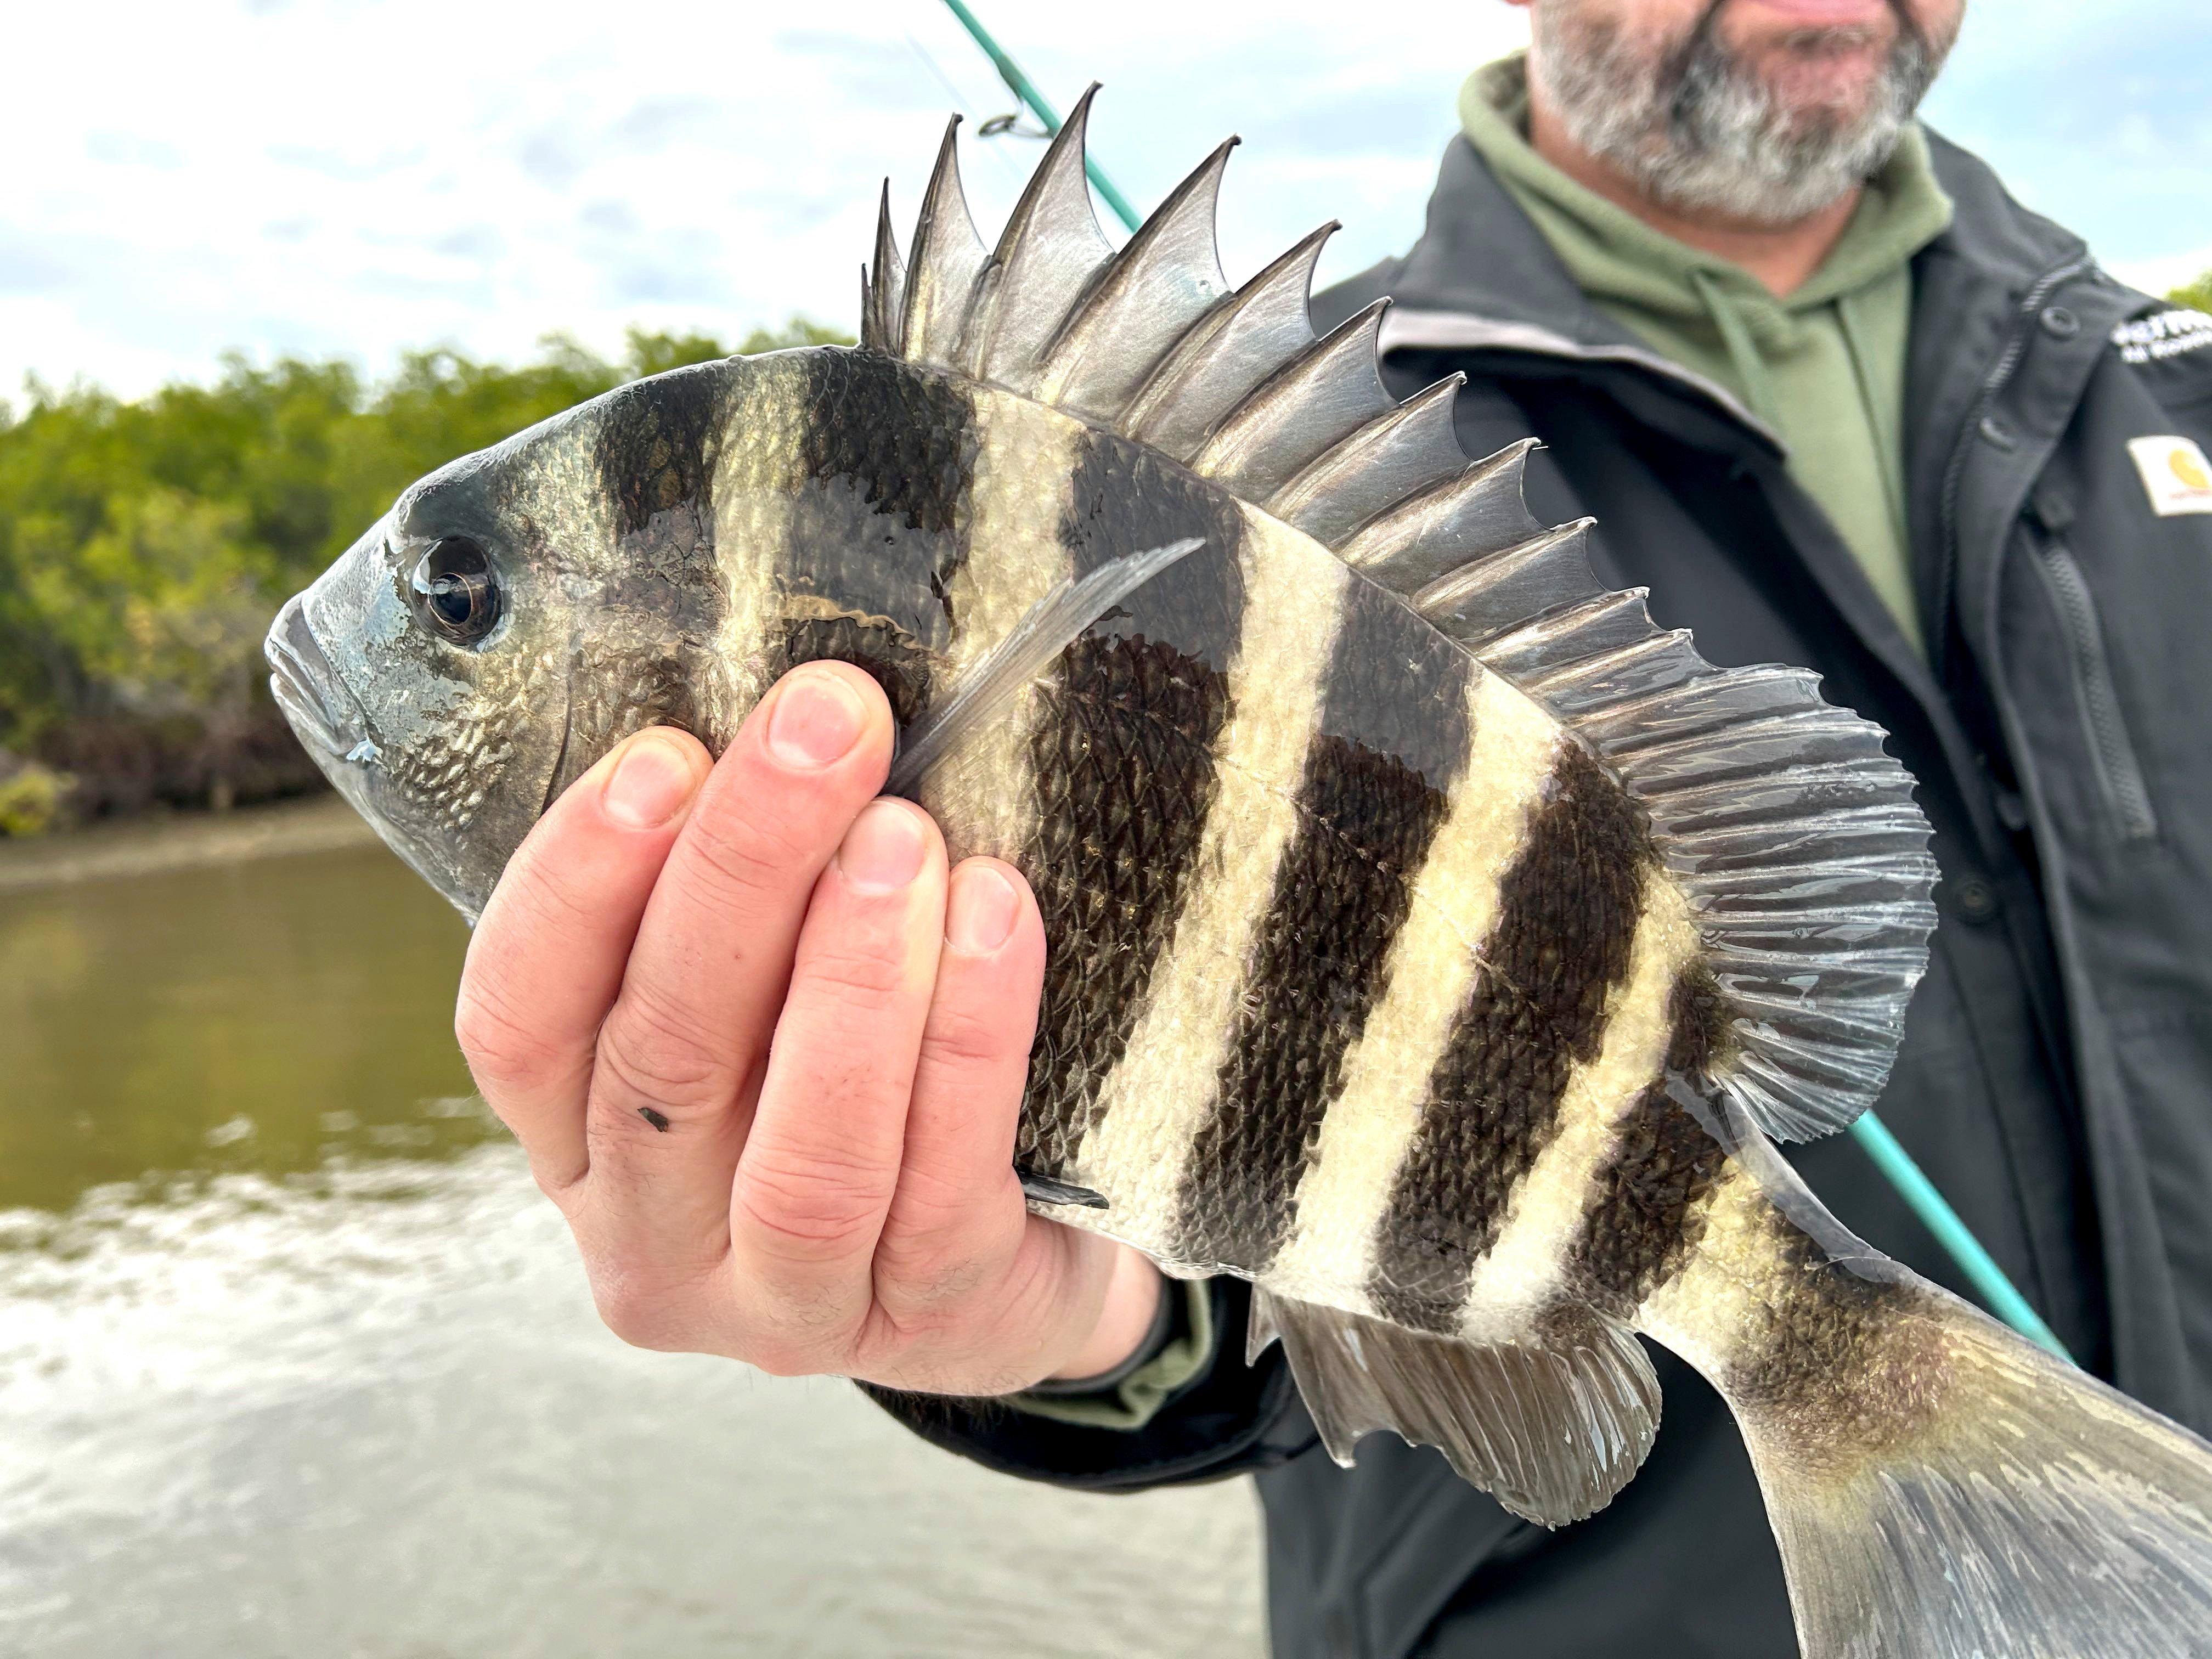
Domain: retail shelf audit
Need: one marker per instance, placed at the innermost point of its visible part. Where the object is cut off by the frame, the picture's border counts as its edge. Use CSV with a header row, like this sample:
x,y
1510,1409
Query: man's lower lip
x,y
1819,14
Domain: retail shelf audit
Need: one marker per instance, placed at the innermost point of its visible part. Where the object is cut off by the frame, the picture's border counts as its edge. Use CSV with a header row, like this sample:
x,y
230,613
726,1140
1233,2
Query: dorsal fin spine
x,y
1162,282
883,308
1398,451
1050,252
947,258
1230,350
1304,408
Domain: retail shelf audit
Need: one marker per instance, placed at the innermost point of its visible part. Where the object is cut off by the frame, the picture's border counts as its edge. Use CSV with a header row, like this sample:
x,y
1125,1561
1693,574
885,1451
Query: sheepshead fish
x,y
1434,943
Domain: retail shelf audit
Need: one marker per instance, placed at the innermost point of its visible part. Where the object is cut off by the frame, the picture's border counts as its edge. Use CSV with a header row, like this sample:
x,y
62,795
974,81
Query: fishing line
x,y
1887,1153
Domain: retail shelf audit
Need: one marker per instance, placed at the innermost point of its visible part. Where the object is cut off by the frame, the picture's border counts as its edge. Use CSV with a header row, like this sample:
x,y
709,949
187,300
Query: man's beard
x,y
1695,127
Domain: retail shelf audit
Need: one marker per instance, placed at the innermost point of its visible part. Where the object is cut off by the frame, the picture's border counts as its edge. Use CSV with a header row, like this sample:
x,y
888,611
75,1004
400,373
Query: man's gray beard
x,y
1696,129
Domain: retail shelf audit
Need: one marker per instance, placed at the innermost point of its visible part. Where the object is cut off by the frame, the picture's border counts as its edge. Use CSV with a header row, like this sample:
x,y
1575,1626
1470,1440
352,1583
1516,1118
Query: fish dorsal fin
x,y
1477,508
883,288
1296,414
1553,1428
1213,369
948,257
1400,450
1792,834
1048,255
1167,278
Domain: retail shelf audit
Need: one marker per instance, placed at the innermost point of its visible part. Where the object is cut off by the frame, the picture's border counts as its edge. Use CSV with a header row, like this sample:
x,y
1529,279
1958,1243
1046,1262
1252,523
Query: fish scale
x,y
1432,940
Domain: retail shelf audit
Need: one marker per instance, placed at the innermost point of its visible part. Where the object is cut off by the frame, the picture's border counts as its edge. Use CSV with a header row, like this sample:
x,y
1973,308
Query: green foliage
x,y
144,545
2197,295
31,797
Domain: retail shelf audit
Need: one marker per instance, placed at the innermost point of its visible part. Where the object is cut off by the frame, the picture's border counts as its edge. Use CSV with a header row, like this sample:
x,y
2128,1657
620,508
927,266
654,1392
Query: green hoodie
x,y
1823,366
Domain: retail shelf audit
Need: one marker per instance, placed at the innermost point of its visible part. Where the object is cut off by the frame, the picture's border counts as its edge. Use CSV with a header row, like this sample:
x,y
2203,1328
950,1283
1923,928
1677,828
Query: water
x,y
294,1360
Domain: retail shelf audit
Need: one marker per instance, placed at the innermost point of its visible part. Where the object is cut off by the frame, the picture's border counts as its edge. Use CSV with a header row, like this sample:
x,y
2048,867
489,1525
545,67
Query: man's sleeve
x,y
1171,1422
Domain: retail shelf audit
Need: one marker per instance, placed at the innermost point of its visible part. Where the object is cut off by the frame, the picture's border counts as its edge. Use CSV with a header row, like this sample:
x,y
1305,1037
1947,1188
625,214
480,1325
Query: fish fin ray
x,y
1317,399
948,258
1816,968
1159,285
1403,449
1553,1428
1049,254
1047,628
1226,354
883,289
1453,518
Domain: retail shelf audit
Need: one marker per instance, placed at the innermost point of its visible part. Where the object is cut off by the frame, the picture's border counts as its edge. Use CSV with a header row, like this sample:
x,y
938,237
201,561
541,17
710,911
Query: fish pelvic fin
x,y
1940,1488
1552,1427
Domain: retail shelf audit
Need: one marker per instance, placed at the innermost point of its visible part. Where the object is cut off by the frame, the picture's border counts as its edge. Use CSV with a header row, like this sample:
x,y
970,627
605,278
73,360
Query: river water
x,y
295,1361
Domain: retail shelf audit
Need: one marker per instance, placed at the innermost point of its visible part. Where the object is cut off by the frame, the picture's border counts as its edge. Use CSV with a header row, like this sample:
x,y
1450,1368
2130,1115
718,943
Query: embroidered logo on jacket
x,y
2175,472
2165,334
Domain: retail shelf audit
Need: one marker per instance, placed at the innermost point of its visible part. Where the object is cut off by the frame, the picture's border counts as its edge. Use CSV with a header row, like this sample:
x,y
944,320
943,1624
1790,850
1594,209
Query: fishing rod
x,y
1887,1153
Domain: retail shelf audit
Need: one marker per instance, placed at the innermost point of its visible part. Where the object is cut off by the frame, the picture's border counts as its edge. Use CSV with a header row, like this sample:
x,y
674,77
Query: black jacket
x,y
2056,1078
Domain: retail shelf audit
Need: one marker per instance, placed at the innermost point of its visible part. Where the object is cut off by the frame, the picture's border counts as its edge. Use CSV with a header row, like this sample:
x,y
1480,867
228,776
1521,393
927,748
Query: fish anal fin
x,y
1552,1427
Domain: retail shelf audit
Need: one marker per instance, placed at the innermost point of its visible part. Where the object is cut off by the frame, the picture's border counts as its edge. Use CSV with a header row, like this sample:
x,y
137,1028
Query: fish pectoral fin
x,y
1552,1427
1043,1189
1055,621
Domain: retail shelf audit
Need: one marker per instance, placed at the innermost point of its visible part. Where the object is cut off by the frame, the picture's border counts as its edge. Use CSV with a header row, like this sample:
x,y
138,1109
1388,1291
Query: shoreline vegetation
x,y
145,545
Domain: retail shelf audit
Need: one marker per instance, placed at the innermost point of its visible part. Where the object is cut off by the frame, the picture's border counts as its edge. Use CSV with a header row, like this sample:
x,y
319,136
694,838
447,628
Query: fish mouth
x,y
306,686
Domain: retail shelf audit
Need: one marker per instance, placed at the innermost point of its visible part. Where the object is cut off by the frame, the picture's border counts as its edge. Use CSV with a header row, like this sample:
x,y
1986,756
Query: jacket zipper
x,y
2111,752
1993,383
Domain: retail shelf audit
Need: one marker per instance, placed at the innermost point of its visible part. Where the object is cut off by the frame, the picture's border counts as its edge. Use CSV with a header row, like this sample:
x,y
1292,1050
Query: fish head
x,y
431,671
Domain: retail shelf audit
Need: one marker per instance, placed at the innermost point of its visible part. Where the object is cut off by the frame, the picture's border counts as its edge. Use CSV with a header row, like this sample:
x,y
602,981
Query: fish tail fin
x,y
1941,1487
2039,1514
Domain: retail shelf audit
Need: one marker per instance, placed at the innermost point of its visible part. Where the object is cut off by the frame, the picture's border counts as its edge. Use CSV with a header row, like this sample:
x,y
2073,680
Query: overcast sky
x,y
357,176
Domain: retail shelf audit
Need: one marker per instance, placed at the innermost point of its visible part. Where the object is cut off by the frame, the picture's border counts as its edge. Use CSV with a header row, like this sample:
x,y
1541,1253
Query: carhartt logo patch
x,y
2165,334
2175,472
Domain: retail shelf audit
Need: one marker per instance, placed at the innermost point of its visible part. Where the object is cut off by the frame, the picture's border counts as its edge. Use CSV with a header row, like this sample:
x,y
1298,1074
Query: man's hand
x,y
767,1057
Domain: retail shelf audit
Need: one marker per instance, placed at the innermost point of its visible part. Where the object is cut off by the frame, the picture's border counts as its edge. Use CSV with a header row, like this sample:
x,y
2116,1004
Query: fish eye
x,y
456,591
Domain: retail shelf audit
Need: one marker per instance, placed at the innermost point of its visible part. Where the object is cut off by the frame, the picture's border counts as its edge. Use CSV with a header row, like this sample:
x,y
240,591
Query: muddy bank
x,y
158,843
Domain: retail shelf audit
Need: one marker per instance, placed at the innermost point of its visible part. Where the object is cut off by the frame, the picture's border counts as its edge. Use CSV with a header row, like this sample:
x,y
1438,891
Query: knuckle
x,y
741,858
815,1208
650,1051
792,1355
966,1038
640,1318
501,1046
849,971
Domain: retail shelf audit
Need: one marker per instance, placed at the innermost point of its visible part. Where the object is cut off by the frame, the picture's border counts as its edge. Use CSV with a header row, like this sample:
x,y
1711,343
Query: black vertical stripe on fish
x,y
1123,756
1566,922
1647,1211
654,452
1392,736
662,600
904,437
878,522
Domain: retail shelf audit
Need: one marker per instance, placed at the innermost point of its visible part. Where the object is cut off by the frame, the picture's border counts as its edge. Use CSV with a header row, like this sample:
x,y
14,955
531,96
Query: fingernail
x,y
651,782
817,718
981,913
883,849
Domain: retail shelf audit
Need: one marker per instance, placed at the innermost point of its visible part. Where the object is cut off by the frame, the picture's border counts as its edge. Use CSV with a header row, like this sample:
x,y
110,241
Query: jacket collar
x,y
1482,278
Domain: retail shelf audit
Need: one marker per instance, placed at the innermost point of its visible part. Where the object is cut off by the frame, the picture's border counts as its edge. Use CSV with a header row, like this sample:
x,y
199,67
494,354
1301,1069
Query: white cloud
x,y
364,176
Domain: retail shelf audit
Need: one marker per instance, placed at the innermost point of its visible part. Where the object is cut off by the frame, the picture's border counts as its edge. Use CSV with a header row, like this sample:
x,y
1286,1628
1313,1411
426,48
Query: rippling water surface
x,y
295,1361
